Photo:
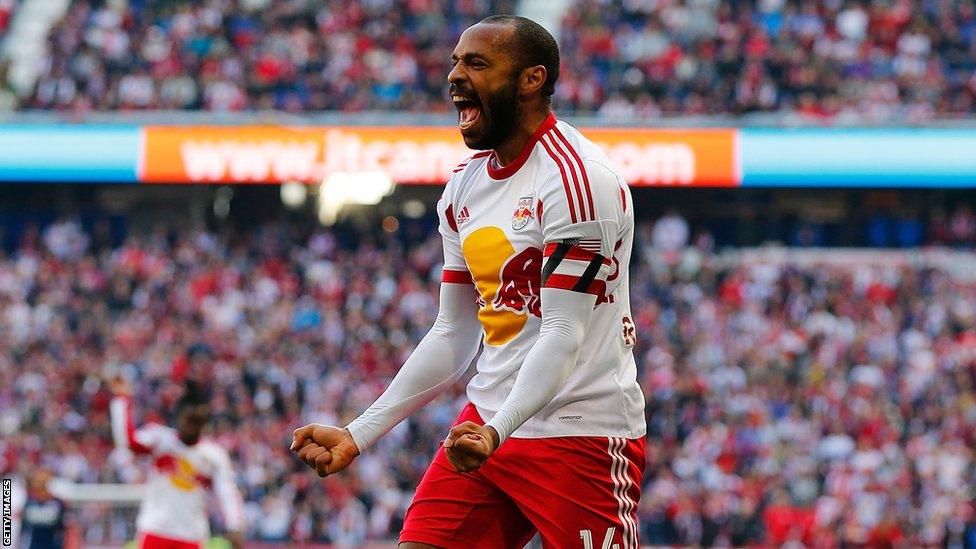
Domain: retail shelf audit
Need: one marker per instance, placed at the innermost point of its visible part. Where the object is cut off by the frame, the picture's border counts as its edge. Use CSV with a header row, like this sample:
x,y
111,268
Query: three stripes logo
x,y
576,182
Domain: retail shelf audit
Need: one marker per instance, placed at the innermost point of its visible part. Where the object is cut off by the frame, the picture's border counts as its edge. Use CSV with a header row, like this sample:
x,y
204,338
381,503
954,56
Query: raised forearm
x,y
565,315
439,360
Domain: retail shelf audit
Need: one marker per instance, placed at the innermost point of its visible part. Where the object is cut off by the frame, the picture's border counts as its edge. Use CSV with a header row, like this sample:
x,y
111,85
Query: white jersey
x,y
175,504
558,216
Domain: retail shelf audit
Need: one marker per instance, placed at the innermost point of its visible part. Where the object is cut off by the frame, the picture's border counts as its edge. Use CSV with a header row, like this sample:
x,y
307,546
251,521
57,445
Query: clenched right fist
x,y
324,448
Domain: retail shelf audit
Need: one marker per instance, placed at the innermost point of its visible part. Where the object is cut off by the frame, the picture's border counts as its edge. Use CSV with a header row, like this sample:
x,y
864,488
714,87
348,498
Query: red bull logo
x,y
523,213
521,284
181,473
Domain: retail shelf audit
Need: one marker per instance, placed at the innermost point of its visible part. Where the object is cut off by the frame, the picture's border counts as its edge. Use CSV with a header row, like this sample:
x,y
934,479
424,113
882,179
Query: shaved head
x,y
530,44
504,72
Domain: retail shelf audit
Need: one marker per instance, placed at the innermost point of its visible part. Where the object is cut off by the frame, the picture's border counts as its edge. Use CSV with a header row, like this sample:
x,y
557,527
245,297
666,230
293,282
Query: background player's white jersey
x,y
561,202
175,501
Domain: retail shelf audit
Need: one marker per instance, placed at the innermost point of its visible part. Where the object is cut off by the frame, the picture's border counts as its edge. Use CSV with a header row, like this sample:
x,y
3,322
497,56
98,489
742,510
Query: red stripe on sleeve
x,y
456,277
568,282
561,281
569,194
577,253
449,213
586,180
576,179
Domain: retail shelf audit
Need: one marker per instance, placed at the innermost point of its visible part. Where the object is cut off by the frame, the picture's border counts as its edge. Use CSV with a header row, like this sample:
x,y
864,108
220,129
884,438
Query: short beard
x,y
500,125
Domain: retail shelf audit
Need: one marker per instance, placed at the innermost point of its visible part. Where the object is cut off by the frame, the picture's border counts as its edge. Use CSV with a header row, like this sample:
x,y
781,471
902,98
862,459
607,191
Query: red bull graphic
x,y
181,473
521,284
523,213
508,283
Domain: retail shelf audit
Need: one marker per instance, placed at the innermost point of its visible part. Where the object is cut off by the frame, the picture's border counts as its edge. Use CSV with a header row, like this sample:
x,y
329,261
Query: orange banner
x,y
672,157
274,154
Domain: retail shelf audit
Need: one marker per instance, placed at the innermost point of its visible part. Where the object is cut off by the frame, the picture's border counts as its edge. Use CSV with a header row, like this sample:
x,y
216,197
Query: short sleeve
x,y
581,218
455,268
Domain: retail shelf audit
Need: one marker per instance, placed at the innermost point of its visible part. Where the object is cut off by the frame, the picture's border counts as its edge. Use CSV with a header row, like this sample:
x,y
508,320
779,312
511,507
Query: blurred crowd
x,y
824,59
892,226
821,405
819,60
285,328
233,55
829,405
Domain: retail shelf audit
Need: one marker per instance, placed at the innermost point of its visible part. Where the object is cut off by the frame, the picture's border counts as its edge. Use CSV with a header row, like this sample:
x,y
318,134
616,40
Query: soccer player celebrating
x,y
537,234
173,514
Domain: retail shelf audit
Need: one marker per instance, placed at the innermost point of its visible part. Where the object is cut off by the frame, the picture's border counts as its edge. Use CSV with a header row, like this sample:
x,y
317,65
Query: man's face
x,y
37,486
484,86
191,421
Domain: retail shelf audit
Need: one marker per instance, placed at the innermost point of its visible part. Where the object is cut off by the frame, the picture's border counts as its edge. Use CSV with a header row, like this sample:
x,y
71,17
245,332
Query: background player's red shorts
x,y
576,491
150,541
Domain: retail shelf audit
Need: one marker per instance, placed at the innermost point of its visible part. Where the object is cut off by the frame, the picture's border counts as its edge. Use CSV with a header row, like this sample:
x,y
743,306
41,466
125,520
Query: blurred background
x,y
243,191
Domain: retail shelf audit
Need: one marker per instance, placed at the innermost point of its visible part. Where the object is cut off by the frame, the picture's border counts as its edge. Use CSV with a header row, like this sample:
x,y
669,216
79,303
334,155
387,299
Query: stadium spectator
x,y
962,225
670,232
44,515
224,55
819,61
837,397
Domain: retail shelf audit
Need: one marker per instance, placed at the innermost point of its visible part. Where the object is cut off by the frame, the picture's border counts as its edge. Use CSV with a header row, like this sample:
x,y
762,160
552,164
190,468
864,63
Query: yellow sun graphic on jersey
x,y
507,282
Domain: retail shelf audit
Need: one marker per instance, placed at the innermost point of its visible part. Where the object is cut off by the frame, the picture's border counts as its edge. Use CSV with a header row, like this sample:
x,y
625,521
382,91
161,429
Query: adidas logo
x,y
463,216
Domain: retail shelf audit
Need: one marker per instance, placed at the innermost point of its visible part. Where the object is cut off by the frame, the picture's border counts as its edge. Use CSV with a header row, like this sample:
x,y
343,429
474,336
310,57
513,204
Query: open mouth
x,y
469,111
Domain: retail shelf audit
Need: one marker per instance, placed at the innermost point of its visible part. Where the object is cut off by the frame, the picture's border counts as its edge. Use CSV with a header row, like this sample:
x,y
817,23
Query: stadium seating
x,y
821,61
875,61
828,402
254,55
831,401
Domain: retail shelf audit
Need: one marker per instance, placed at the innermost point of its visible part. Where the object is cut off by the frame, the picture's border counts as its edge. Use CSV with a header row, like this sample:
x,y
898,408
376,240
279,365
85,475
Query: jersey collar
x,y
508,171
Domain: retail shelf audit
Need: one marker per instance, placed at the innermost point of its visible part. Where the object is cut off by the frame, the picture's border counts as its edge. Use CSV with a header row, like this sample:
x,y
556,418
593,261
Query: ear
x,y
532,80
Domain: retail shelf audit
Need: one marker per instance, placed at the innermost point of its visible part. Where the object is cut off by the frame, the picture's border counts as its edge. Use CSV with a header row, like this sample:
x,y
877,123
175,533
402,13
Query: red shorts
x,y
575,491
152,541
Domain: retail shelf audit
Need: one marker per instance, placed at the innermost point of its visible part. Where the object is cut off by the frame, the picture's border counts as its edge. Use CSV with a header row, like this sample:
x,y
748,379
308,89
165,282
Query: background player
x,y
173,514
44,516
538,232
